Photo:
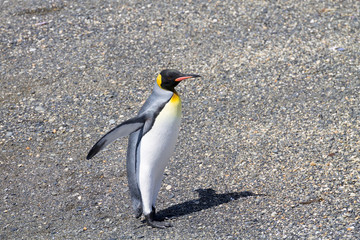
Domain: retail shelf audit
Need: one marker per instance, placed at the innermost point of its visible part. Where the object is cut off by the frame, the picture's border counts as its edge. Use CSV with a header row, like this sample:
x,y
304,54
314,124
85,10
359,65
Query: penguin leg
x,y
156,217
137,209
135,198
150,220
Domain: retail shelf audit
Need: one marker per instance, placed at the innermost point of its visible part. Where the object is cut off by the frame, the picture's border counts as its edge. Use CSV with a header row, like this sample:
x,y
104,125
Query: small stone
x,y
52,119
40,109
9,134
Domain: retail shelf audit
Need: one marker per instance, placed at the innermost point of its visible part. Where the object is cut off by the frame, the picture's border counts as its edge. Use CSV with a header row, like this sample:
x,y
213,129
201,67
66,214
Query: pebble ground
x,y
270,139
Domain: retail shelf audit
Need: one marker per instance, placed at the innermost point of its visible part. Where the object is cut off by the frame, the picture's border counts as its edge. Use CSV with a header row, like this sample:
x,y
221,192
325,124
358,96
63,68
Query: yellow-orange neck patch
x,y
175,98
175,104
159,80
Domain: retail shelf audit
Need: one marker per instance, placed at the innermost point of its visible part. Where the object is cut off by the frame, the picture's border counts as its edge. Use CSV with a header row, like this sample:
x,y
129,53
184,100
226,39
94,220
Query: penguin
x,y
153,135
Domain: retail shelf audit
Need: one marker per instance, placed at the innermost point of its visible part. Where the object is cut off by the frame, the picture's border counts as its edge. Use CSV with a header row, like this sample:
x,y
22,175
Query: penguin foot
x,y
156,224
138,212
137,215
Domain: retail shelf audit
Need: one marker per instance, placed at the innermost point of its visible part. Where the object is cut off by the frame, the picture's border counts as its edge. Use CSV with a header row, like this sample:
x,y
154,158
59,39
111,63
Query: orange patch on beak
x,y
182,78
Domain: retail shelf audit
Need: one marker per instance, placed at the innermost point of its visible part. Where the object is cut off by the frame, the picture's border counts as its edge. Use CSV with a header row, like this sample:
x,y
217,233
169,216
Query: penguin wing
x,y
121,130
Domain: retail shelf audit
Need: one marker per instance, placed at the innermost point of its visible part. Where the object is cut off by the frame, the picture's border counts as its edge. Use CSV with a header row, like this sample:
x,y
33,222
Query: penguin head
x,y
168,79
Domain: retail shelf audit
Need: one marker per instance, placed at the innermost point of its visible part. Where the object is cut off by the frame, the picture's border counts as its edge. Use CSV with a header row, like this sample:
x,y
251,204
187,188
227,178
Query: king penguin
x,y
153,133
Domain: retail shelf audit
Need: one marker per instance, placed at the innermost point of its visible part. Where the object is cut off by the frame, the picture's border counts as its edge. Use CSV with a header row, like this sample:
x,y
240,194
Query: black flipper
x,y
122,130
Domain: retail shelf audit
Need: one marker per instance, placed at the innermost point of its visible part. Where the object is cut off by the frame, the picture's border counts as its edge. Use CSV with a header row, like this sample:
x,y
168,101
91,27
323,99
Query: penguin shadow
x,y
208,198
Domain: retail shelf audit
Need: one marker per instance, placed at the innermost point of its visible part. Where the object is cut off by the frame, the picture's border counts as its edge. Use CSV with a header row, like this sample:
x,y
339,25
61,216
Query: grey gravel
x,y
40,109
269,143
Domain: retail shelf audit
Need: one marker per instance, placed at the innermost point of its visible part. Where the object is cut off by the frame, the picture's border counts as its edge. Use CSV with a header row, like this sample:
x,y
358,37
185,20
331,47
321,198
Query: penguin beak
x,y
186,76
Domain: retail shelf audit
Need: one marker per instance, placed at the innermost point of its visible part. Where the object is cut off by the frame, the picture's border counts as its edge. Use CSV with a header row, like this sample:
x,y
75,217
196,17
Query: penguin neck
x,y
175,97
164,92
172,96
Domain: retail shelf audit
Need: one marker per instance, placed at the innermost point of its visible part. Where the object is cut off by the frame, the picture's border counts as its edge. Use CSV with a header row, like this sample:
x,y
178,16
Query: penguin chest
x,y
157,145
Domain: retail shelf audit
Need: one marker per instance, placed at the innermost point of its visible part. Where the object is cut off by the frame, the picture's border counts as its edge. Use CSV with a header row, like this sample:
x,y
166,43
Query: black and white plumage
x,y
153,133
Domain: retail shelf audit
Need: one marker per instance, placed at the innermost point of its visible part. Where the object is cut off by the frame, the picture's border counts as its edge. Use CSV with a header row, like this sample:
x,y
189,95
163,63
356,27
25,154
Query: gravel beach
x,y
269,145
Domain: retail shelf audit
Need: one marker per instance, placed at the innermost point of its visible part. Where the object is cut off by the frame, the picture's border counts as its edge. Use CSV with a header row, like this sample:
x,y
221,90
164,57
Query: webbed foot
x,y
156,224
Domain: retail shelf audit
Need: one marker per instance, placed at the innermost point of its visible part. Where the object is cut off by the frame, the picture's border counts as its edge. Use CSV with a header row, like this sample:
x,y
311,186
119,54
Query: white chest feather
x,y
158,144
156,148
